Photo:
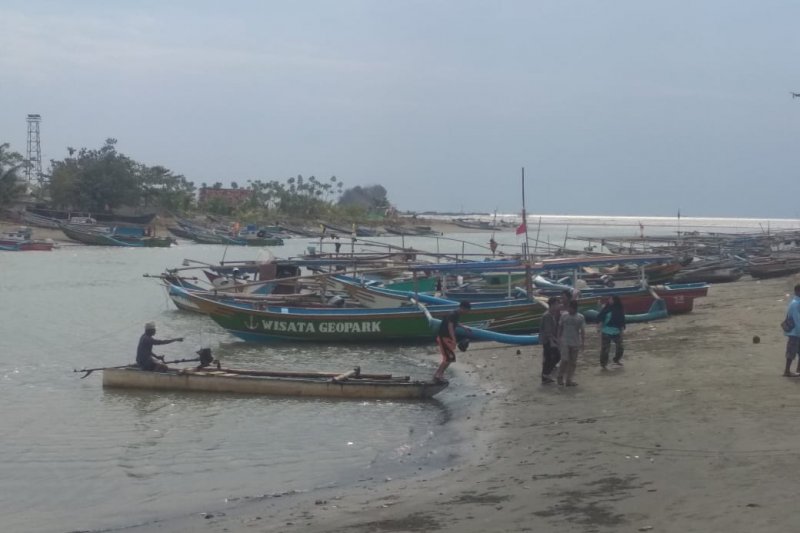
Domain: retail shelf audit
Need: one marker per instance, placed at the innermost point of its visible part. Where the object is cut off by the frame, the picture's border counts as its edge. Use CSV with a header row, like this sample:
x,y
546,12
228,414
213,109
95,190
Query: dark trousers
x,y
605,347
550,358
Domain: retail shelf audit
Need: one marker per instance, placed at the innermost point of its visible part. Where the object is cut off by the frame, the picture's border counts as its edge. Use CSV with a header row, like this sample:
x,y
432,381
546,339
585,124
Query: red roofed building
x,y
231,197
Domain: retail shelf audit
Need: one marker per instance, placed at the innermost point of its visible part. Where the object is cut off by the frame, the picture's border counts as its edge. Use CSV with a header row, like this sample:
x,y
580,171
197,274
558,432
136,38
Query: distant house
x,y
231,197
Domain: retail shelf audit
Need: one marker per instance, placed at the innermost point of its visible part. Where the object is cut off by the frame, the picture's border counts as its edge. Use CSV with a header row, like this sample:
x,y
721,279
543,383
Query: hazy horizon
x,y
623,108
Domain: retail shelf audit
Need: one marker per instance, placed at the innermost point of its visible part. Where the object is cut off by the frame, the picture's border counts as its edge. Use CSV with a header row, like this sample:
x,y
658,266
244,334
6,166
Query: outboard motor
x,y
206,358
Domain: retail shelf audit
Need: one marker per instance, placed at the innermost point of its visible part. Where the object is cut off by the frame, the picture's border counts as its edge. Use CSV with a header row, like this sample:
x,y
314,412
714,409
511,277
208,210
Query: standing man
x,y
145,358
548,336
572,337
446,339
793,334
611,323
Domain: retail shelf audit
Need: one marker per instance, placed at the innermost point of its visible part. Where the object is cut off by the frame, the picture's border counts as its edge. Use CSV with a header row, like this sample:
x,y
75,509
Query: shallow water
x,y
78,457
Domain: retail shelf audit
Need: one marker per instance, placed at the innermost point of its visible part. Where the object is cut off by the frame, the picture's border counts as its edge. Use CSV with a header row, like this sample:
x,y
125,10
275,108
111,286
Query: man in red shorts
x,y
447,341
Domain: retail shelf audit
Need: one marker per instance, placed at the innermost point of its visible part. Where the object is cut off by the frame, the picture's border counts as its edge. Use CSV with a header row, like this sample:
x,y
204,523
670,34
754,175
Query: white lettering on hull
x,y
281,326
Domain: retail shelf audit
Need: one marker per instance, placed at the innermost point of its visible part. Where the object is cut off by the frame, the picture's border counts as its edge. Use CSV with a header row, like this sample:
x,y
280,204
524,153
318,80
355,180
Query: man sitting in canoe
x,y
145,358
447,341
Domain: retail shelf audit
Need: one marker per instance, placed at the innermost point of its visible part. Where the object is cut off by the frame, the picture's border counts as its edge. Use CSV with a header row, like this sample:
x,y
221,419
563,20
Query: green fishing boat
x,y
252,323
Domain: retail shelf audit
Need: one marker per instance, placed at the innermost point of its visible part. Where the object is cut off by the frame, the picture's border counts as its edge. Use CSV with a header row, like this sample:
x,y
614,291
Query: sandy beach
x,y
694,433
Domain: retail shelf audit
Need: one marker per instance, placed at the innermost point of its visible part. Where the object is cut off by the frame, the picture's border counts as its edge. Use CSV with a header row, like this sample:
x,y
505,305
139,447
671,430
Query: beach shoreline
x,y
6,226
690,435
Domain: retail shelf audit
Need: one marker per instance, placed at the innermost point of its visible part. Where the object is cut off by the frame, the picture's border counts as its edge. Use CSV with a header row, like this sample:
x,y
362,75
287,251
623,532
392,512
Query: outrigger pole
x,y
88,371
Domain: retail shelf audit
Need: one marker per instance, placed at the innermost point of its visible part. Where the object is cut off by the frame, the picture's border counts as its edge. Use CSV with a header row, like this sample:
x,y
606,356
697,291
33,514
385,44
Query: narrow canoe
x,y
307,384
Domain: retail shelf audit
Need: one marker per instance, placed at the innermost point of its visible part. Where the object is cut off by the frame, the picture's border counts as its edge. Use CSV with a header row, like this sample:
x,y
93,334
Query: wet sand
x,y
694,433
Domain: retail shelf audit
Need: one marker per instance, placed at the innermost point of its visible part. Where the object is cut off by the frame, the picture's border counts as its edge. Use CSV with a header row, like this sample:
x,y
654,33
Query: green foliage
x,y
298,197
95,180
10,165
98,180
162,189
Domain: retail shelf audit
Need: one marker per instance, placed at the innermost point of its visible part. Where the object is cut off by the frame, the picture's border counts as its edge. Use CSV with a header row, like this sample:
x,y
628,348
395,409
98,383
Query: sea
x,y
77,457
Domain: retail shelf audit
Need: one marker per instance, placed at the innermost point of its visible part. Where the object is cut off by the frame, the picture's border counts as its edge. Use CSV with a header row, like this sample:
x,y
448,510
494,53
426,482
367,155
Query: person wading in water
x,y
447,341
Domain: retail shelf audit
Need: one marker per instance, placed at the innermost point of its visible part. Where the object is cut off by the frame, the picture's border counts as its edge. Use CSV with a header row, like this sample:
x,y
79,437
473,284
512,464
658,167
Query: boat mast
x,y
528,278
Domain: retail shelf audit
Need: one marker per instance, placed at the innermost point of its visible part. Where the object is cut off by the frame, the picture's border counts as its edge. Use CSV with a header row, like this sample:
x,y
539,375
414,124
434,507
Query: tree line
x,y
100,180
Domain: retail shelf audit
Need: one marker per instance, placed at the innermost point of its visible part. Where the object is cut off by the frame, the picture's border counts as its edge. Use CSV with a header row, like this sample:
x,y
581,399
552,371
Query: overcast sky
x,y
619,107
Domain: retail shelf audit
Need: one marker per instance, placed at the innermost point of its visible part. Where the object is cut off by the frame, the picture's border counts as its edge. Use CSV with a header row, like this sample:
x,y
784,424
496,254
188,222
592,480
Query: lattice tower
x,y
33,170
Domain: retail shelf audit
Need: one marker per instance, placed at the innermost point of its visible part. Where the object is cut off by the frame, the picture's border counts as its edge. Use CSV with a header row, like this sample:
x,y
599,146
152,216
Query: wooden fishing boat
x,y
376,297
472,223
177,293
261,241
38,220
351,384
63,216
218,238
29,246
296,230
22,241
678,297
709,275
361,325
407,285
411,231
774,268
107,237
360,231
181,233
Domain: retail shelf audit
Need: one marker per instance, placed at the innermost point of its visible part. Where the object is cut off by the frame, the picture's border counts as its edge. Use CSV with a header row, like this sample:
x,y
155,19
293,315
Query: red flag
x,y
522,228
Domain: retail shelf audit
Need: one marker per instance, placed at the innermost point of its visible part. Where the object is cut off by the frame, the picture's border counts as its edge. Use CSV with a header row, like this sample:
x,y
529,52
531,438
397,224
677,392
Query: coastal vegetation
x,y
11,164
104,179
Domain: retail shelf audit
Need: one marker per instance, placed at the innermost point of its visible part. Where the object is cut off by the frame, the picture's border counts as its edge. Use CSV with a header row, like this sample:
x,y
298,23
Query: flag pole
x,y
528,276
525,217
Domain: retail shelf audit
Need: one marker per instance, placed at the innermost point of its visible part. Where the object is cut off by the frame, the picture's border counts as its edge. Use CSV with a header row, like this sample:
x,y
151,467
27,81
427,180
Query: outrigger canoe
x,y
351,384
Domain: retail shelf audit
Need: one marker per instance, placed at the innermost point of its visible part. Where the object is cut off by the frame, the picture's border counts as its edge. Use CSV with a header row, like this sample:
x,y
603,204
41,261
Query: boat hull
x,y
678,297
26,246
774,269
97,238
372,325
220,381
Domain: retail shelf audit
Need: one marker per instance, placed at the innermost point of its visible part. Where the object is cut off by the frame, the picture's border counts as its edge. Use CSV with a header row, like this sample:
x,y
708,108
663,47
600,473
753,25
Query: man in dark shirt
x,y
548,337
611,322
145,358
447,341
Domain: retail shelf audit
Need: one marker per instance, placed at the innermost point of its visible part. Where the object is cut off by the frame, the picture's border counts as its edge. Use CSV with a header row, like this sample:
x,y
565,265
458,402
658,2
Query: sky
x,y
613,108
